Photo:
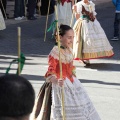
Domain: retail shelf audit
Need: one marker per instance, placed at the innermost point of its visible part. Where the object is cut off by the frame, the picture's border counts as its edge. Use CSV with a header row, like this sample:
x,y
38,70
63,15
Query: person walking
x,y
19,11
117,20
78,105
31,9
90,40
64,8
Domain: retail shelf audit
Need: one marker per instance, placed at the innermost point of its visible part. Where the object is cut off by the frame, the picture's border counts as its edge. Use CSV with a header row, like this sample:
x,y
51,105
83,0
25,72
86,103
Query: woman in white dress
x,y
2,22
64,8
90,40
78,105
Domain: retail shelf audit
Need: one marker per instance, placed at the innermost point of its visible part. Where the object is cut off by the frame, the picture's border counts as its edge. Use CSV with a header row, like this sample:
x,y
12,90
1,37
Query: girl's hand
x,y
73,2
53,79
60,82
74,8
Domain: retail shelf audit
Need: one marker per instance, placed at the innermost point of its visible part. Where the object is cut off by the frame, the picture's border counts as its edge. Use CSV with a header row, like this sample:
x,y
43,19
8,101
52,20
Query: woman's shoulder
x,y
91,3
54,52
82,3
79,3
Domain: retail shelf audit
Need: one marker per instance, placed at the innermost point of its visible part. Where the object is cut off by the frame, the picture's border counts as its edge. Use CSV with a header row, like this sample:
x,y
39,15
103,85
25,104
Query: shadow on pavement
x,y
4,68
6,57
105,66
99,82
33,77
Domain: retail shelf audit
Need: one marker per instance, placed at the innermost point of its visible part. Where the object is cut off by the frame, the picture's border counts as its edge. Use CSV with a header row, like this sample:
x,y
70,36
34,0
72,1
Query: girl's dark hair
x,y
63,29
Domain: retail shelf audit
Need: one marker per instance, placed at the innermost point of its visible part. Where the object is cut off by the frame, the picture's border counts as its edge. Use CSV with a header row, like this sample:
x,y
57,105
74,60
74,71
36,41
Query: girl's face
x,y
86,1
67,39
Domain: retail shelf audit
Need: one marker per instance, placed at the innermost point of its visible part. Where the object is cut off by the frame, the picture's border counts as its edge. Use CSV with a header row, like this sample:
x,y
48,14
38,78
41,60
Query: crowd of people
x,y
19,9
27,8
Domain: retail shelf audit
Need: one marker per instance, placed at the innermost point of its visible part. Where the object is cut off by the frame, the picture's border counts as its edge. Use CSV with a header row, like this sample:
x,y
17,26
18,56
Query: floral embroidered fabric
x,y
67,64
78,106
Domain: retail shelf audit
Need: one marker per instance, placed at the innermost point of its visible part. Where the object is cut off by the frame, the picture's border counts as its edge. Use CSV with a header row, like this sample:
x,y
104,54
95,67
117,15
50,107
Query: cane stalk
x,y
19,49
60,64
47,21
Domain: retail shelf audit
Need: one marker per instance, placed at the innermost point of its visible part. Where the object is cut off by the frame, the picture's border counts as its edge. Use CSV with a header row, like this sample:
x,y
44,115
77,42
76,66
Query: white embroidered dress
x,y
78,106
2,22
64,13
95,43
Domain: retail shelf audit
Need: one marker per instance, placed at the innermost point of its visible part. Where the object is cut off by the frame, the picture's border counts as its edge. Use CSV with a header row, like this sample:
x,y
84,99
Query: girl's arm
x,y
51,73
54,80
73,2
77,15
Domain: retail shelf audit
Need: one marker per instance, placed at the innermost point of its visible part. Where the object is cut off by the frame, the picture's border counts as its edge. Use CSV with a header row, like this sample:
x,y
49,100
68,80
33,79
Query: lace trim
x,y
75,112
65,58
78,106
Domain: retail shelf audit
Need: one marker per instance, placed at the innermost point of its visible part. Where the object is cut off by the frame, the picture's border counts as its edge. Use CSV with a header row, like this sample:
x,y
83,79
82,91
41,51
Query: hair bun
x,y
61,25
62,29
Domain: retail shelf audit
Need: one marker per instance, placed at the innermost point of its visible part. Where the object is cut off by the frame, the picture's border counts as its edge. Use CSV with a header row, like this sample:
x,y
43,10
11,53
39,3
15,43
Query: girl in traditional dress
x,y
78,105
2,22
64,8
90,40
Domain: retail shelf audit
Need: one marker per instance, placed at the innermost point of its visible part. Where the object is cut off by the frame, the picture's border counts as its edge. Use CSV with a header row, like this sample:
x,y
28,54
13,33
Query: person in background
x,y
64,9
17,98
19,10
44,7
117,20
90,41
31,9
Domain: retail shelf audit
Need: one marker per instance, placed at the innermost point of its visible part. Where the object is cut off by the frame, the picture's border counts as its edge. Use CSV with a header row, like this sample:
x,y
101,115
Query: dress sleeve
x,y
78,8
52,62
52,66
93,9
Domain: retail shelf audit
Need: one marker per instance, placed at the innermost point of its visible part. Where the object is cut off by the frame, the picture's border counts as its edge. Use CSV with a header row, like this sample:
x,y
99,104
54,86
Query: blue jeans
x,y
116,25
19,8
